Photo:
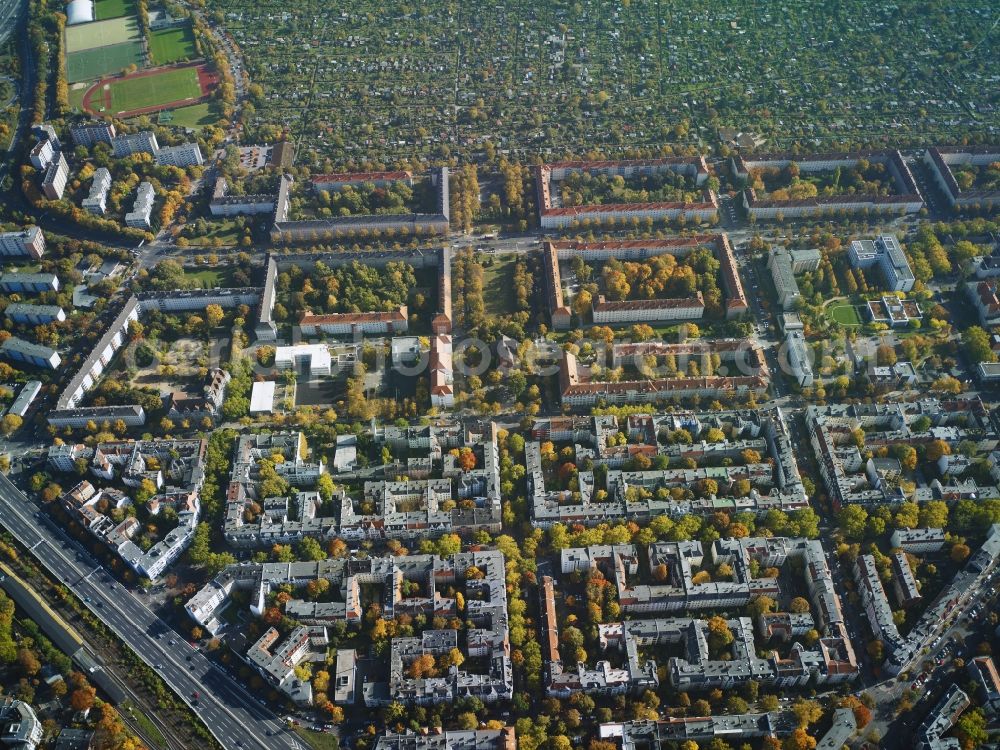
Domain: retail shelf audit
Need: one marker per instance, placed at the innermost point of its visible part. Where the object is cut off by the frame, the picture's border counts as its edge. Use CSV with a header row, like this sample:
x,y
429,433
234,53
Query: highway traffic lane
x,y
238,715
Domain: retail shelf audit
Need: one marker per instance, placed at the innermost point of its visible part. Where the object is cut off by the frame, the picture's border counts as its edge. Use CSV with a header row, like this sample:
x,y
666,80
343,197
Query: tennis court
x,y
102,61
114,31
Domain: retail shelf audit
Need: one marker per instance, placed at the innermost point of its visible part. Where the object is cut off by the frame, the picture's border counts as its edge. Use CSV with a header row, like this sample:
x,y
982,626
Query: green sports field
x,y
114,31
195,115
171,45
149,91
89,64
845,315
105,9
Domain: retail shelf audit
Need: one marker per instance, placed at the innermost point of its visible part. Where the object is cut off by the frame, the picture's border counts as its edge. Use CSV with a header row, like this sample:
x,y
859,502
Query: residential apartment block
x,y
97,200
930,735
134,143
142,209
630,494
34,283
452,739
277,664
91,133
648,311
184,155
176,469
223,204
55,178
23,312
552,216
29,242
832,661
405,503
918,541
784,264
285,231
355,324
556,252
487,639
906,198
69,413
799,357
578,389
851,479
378,179
940,161
26,352
884,253
42,154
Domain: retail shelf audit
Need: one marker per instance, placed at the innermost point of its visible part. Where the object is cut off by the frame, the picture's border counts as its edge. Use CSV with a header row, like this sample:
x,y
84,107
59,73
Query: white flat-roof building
x,y
184,155
314,356
19,727
799,358
97,201
41,154
884,251
89,133
56,176
918,540
24,398
134,143
143,207
262,397
779,262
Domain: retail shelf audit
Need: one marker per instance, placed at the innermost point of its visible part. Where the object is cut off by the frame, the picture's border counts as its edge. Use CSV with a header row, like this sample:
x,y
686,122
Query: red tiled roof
x,y
392,316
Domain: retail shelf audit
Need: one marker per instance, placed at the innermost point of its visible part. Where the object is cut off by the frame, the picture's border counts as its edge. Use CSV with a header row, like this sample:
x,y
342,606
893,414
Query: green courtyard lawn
x,y
498,284
844,314
209,278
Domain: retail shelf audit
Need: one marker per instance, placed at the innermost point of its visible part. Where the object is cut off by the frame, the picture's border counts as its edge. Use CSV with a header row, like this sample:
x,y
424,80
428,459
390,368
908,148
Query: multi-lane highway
x,y
230,713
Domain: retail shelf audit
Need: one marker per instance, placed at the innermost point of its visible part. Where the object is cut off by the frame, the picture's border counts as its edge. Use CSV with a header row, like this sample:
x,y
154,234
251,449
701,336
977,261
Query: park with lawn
x,y
844,314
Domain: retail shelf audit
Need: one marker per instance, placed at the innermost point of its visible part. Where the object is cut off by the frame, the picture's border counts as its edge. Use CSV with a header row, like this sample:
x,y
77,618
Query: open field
x,y
171,45
380,79
845,315
210,278
89,64
101,34
195,116
498,285
105,9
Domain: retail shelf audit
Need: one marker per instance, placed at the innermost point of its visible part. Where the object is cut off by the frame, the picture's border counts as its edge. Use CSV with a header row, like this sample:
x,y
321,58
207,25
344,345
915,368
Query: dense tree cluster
x,y
354,287
788,183
588,188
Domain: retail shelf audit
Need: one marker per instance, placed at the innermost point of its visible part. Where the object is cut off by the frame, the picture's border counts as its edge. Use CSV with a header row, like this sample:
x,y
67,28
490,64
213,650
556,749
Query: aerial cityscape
x,y
617,375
